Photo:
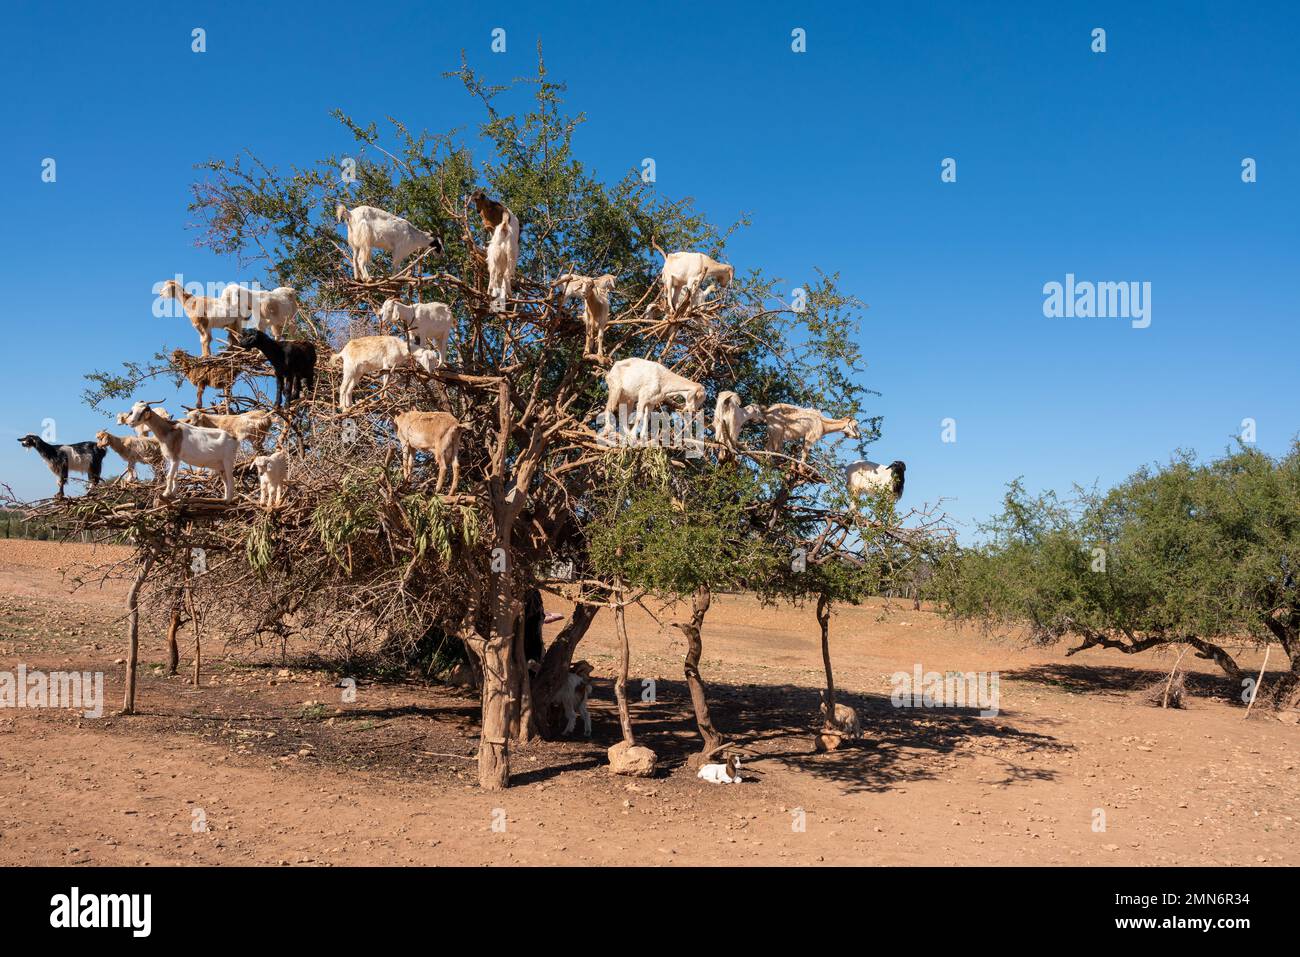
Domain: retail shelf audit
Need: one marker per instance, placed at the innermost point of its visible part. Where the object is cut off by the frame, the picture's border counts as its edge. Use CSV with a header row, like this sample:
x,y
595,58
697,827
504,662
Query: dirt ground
x,y
264,763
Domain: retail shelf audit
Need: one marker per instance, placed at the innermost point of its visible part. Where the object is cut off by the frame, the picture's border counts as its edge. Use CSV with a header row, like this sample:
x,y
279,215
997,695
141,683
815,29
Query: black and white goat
x,y
868,478
84,457
294,363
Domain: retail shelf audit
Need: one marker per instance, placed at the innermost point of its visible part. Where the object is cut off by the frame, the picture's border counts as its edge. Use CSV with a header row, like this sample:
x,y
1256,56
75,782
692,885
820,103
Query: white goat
x,y
271,309
594,293
376,354
205,314
684,271
371,228
251,427
503,257
430,323
729,417
790,423
649,385
272,476
573,696
868,478
728,773
845,721
133,450
182,442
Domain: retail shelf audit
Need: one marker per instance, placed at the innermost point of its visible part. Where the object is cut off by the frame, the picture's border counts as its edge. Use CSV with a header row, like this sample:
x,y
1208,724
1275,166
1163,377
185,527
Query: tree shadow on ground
x,y
1118,679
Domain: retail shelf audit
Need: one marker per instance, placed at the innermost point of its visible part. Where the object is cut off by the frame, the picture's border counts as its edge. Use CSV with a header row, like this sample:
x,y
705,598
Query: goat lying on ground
x,y
271,309
573,696
729,417
429,323
594,293
845,720
790,423
141,430
84,457
294,363
503,257
205,314
250,427
205,374
134,450
684,272
182,442
868,478
371,228
272,477
728,773
648,385
436,432
382,354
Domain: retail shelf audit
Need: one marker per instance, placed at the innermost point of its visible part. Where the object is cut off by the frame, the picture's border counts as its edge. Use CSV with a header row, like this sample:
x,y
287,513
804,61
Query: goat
x,y
205,314
294,363
503,256
845,721
85,457
649,385
376,354
790,423
205,373
594,293
272,476
728,773
429,323
573,696
868,478
685,271
182,442
489,210
250,427
141,430
271,309
371,228
436,432
134,450
729,417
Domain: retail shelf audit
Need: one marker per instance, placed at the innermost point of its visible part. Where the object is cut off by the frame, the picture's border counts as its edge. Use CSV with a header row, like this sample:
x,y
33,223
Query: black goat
x,y
85,457
294,363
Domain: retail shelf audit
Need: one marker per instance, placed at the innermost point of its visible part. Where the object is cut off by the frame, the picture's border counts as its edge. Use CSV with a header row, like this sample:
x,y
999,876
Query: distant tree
x,y
1192,553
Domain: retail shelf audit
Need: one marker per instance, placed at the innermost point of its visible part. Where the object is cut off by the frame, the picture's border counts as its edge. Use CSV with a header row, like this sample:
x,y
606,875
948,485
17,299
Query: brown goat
x,y
205,314
489,209
436,432
205,373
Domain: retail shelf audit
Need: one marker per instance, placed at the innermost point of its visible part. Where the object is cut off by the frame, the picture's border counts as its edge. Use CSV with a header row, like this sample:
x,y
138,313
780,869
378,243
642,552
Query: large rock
x,y
633,760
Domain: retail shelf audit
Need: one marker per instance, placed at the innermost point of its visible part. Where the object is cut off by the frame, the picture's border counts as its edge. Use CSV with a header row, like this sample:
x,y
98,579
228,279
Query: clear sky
x,y
1117,166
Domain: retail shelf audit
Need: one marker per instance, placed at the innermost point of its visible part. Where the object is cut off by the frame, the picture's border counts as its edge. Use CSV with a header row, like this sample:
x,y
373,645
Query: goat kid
x,y
845,720
84,457
272,477
594,293
728,773
573,697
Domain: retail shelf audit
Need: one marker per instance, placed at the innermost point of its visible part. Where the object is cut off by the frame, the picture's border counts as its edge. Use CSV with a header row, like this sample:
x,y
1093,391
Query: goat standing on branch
x,y
380,354
436,432
205,374
729,417
503,249
647,385
683,272
429,323
85,457
594,293
134,450
205,314
182,442
790,423
370,228
251,427
294,363
868,478
272,477
271,309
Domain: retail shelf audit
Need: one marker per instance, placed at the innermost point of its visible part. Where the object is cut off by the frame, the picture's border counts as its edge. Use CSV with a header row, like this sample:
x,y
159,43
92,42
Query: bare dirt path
x,y
265,764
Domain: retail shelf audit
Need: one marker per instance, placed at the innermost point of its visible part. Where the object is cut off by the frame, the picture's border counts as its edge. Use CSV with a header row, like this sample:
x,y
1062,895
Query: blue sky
x,y
1115,166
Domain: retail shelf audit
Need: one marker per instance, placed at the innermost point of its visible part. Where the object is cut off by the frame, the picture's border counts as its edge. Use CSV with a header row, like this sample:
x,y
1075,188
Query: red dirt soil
x,y
265,764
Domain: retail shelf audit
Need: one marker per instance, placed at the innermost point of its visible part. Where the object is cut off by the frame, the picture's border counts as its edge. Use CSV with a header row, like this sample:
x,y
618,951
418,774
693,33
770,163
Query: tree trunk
x,y
133,633
499,699
824,620
620,683
173,650
522,726
555,666
691,629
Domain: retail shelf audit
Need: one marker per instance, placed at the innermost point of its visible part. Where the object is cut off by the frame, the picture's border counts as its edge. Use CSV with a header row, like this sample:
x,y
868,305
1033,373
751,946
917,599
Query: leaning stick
x,y
1254,692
